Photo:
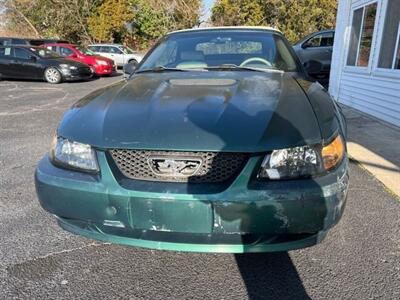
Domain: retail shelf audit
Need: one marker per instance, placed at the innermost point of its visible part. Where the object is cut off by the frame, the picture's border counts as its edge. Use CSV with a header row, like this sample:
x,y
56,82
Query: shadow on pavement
x,y
270,276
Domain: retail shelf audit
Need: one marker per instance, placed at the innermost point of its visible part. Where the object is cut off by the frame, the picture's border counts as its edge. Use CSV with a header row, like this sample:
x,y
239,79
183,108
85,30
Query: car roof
x,y
21,46
250,28
60,44
312,34
115,45
51,40
12,37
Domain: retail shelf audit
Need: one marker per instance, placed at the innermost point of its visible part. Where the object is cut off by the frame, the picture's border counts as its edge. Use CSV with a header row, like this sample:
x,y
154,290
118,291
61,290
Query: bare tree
x,y
12,10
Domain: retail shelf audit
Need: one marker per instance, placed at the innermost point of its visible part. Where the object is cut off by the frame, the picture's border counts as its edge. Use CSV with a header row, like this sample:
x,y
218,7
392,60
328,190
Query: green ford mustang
x,y
217,142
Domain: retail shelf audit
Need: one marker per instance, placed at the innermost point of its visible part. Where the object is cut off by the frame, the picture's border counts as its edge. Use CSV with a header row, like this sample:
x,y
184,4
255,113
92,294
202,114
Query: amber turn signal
x,y
332,154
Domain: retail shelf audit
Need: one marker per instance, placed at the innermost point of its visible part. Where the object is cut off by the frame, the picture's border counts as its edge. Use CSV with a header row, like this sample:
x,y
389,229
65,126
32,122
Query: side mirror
x,y
73,56
306,45
33,58
129,69
313,67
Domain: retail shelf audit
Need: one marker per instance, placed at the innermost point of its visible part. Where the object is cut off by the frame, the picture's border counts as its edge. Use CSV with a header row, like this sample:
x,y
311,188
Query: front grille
x,y
173,166
85,70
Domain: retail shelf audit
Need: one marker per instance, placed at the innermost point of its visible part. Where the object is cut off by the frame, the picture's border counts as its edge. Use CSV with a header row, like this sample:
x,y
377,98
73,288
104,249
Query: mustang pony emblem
x,y
176,167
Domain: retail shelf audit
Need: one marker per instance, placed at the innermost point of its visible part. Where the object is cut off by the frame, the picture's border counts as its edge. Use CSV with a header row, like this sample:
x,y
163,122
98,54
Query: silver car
x,y
317,47
120,54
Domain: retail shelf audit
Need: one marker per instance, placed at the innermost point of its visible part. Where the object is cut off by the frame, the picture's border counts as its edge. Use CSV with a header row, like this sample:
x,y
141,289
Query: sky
x,y
207,8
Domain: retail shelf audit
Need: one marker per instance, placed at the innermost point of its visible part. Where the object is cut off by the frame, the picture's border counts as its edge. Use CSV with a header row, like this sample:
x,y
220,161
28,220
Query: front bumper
x,y
105,69
73,75
247,216
78,77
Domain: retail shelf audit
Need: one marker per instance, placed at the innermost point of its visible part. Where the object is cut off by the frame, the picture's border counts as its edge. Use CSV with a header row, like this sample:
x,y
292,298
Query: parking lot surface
x,y
359,259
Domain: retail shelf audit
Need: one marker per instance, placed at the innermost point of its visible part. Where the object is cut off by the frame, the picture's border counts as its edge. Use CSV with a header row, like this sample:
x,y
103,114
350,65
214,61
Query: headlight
x,y
66,66
101,62
305,161
74,155
333,153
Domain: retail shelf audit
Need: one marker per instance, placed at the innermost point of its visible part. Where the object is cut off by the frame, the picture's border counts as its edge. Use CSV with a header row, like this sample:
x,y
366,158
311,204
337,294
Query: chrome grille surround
x,y
214,167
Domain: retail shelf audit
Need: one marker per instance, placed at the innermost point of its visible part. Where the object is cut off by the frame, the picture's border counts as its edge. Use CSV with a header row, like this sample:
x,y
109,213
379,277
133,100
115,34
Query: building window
x,y
389,57
362,31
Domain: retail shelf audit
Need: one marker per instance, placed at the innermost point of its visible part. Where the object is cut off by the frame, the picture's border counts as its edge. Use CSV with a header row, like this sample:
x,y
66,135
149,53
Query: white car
x,y
120,54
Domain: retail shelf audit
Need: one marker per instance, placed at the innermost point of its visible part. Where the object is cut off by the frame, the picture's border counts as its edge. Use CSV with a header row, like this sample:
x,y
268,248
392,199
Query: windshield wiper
x,y
160,69
222,67
240,68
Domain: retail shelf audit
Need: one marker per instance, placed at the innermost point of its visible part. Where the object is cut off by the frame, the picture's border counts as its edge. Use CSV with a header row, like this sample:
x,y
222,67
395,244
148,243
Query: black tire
x,y
133,62
52,75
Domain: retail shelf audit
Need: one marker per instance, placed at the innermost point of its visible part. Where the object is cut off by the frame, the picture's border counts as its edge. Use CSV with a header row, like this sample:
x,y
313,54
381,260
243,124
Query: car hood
x,y
99,57
204,111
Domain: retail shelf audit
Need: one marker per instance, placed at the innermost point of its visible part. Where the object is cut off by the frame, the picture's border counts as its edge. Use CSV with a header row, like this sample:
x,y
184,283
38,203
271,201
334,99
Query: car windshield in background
x,y
127,50
44,53
209,50
86,51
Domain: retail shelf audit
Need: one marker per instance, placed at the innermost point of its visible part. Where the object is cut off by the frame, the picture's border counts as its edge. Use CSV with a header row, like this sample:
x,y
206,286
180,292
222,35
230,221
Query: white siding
x,y
367,90
339,46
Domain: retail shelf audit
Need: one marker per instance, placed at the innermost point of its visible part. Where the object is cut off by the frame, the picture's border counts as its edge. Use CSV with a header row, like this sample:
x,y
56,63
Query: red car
x,y
100,65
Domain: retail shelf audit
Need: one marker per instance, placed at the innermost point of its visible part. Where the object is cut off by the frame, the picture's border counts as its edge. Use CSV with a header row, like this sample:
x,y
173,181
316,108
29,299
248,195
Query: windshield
x,y
44,53
207,49
127,50
85,51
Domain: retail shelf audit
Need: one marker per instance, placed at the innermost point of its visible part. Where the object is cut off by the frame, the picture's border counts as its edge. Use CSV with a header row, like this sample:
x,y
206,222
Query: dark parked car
x,y
317,47
29,62
217,142
39,42
5,41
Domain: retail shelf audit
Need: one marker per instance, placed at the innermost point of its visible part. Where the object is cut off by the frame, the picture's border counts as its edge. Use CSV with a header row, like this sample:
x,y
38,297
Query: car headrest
x,y
192,55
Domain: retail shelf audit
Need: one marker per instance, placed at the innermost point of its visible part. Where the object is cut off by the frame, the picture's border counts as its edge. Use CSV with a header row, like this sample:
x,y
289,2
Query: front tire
x,y
52,75
133,62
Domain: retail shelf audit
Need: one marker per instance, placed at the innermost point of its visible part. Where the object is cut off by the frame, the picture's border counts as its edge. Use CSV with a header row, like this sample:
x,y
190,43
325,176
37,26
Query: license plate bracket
x,y
171,215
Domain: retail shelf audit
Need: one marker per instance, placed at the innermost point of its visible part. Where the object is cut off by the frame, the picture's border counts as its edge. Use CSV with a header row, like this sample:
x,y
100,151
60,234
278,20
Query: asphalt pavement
x,y
359,259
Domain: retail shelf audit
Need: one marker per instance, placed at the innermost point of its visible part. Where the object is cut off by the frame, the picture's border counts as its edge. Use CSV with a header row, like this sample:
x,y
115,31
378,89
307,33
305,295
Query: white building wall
x,y
374,91
339,46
